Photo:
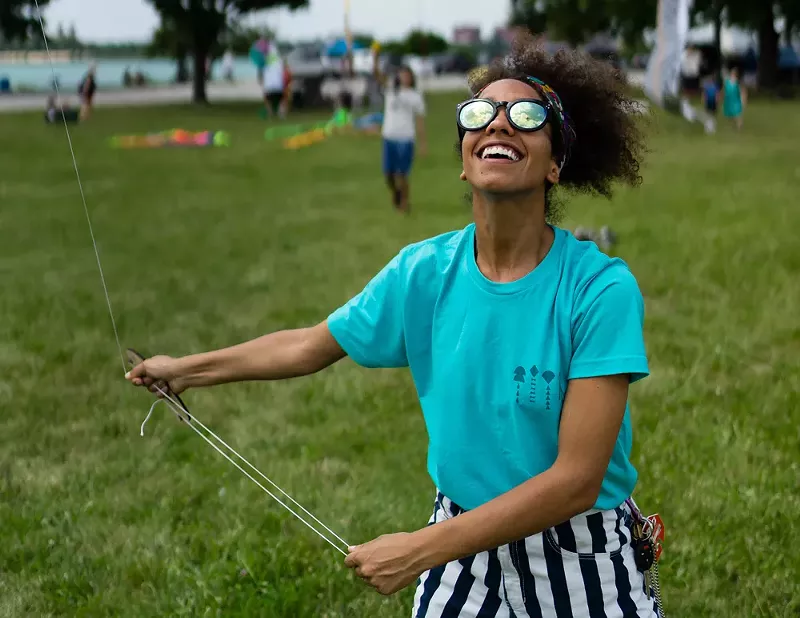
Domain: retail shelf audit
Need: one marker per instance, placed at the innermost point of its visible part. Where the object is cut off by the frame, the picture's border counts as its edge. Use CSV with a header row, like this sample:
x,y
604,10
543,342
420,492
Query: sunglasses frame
x,y
496,105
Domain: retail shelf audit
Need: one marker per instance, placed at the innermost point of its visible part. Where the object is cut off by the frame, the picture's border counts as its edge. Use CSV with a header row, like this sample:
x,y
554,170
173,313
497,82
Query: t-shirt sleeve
x,y
370,327
420,105
608,327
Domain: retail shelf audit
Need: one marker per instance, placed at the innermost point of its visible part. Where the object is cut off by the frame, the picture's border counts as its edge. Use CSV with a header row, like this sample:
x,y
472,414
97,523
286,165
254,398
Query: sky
x,y
135,20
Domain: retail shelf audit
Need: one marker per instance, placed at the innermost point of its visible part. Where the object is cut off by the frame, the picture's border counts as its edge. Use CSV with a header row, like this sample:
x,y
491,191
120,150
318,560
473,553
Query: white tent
x,y
733,40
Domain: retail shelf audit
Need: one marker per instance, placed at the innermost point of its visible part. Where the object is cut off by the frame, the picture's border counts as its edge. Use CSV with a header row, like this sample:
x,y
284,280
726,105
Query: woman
x,y
522,342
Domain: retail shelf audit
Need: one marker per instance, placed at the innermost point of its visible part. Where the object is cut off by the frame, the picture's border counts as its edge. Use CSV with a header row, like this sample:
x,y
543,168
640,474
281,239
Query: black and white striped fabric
x,y
583,568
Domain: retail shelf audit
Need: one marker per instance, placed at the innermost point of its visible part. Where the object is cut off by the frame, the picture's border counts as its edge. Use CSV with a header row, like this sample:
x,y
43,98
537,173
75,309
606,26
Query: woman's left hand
x,y
389,563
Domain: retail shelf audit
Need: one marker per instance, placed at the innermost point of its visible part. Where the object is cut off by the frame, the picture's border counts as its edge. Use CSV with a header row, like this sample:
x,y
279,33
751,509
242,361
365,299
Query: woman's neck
x,y
511,234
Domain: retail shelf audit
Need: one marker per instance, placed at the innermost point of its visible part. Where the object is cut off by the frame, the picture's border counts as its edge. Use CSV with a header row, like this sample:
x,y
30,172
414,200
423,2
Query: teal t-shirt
x,y
491,361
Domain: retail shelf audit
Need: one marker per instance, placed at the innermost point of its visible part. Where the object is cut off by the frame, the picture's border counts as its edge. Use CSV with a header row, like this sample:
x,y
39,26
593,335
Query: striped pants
x,y
583,568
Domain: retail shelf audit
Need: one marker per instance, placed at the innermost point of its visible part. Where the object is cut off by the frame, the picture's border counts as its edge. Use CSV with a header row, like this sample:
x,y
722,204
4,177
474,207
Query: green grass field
x,y
206,248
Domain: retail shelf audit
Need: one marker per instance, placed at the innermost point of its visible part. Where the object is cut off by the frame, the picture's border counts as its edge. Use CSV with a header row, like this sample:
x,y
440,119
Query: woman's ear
x,y
463,175
554,173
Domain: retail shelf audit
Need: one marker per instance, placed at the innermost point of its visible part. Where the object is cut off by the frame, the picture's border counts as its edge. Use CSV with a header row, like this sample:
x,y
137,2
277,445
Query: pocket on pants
x,y
590,535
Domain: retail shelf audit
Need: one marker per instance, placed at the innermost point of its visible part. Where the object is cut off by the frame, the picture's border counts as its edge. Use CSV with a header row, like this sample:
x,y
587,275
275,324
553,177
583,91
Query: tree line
x,y
574,21
196,30
192,31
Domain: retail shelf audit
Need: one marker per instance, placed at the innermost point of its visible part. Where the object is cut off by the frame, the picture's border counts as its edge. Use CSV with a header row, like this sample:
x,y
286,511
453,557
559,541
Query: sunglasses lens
x,y
528,115
476,115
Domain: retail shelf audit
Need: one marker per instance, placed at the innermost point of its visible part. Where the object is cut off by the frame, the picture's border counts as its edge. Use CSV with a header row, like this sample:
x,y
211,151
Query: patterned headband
x,y
568,135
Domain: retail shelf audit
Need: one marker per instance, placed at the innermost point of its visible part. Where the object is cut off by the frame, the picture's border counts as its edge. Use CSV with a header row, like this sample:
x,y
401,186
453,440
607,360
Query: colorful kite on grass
x,y
296,136
176,138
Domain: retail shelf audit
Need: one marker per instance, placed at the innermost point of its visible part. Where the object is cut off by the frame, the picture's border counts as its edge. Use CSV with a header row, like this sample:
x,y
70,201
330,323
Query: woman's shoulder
x,y
441,245
434,254
591,271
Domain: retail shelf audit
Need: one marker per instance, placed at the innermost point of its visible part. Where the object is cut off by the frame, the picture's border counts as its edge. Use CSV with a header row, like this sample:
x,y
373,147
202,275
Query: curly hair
x,y
608,143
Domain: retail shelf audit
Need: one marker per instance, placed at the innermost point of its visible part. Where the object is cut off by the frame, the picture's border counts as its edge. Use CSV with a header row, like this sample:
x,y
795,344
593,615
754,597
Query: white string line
x,y
243,471
119,344
80,187
194,420
147,418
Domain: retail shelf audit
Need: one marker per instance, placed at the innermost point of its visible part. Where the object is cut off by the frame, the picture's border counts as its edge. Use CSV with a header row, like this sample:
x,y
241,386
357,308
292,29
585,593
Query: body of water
x,y
38,77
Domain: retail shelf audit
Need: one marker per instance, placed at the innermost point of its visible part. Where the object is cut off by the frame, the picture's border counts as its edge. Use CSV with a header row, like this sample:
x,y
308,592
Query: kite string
x,y
119,344
195,421
149,414
80,187
243,471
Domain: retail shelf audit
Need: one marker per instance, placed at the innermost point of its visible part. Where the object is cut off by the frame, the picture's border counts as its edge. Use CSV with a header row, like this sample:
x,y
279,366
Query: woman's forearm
x,y
280,355
541,502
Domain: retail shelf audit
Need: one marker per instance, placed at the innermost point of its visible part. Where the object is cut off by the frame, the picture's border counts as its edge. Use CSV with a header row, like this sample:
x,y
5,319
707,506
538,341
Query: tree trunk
x,y
199,77
182,71
768,48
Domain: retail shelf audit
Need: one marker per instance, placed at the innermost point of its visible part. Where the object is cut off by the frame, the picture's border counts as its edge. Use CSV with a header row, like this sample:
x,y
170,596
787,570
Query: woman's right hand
x,y
158,372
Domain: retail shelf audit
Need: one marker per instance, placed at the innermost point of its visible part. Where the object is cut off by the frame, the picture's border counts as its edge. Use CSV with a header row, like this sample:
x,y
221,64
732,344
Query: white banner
x,y
662,82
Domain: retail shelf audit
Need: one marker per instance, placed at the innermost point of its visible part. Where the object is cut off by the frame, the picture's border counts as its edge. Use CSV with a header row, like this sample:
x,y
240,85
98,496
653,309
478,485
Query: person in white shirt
x,y
228,63
403,126
272,83
691,62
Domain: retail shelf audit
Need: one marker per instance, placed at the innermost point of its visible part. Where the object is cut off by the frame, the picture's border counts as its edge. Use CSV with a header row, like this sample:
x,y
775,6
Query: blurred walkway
x,y
217,92
182,93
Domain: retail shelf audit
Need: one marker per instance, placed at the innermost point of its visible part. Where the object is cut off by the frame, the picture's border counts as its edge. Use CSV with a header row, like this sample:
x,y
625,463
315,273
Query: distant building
x,y
505,34
467,35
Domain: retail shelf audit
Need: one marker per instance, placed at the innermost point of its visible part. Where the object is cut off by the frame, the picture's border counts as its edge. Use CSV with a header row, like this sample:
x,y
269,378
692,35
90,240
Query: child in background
x,y
52,112
710,99
343,113
734,98
286,102
403,124
86,90
272,84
